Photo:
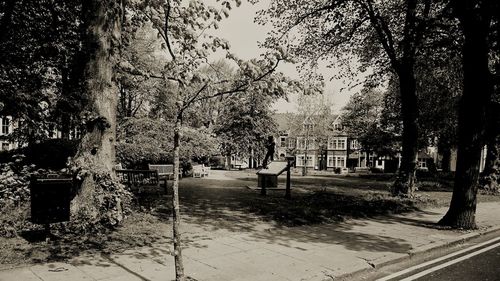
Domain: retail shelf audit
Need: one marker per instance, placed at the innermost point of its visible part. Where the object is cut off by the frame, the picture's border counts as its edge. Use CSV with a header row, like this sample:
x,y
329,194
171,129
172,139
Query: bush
x,y
49,154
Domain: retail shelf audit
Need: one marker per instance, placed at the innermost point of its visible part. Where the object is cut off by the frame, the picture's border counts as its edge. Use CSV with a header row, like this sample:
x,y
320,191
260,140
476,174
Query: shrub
x,y
49,154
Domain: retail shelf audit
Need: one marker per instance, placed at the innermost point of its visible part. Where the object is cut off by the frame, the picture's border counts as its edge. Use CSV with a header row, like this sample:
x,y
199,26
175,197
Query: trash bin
x,y
50,199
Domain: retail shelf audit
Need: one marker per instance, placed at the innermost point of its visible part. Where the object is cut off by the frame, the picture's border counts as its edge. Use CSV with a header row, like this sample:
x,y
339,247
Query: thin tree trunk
x,y
96,154
179,266
472,114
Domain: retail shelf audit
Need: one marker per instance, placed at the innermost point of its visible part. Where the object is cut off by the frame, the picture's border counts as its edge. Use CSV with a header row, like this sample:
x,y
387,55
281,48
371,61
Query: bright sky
x,y
243,35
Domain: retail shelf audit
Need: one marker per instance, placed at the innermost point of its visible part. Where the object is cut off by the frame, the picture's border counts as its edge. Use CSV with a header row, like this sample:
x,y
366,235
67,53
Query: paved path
x,y
259,250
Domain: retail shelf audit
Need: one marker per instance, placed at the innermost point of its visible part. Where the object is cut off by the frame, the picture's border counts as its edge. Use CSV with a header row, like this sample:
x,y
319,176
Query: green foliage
x,y
366,117
106,209
144,141
244,124
40,71
48,154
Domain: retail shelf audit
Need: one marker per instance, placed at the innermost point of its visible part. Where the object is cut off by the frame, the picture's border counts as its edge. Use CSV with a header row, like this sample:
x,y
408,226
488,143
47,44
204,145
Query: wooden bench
x,y
140,181
164,170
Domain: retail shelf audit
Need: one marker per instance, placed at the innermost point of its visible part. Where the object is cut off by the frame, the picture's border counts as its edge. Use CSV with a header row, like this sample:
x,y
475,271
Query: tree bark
x,y
179,265
405,183
477,90
96,154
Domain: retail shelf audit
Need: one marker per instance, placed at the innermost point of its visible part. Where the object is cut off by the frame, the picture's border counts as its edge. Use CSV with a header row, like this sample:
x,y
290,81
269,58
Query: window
x,y
331,161
354,144
5,146
336,161
422,163
337,126
301,143
341,161
337,143
341,144
332,143
291,143
300,160
5,126
282,142
308,127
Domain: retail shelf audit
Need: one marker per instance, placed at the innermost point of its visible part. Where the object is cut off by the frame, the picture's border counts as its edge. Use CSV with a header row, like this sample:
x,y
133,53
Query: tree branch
x,y
166,9
242,87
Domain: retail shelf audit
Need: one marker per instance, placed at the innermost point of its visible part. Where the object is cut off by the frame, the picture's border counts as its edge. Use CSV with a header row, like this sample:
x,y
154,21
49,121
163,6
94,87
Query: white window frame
x,y
309,163
5,130
343,142
354,144
335,143
336,160
422,163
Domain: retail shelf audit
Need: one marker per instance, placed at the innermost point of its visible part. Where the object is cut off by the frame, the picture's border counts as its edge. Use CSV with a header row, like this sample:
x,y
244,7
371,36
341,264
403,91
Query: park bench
x,y
200,171
164,171
140,181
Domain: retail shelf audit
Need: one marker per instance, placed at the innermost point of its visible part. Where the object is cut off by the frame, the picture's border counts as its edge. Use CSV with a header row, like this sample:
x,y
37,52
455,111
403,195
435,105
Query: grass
x,y
228,204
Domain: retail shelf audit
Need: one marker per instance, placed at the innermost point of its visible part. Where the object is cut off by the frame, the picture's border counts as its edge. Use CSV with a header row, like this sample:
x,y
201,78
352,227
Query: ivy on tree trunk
x,y
100,198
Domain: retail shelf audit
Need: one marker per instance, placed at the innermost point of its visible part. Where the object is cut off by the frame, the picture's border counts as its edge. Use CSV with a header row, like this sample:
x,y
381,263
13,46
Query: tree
x,y
96,154
40,67
366,118
475,20
182,29
312,125
244,123
385,35
490,179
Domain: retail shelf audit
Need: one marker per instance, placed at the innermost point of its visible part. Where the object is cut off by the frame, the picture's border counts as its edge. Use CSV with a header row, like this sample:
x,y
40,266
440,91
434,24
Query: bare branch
x,y
166,9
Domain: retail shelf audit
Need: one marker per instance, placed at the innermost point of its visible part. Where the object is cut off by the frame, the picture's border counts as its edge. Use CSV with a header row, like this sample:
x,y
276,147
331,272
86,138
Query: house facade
x,y
8,125
329,154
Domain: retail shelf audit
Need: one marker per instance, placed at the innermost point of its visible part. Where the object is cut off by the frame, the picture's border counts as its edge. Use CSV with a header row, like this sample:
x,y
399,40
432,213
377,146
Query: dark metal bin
x,y
50,199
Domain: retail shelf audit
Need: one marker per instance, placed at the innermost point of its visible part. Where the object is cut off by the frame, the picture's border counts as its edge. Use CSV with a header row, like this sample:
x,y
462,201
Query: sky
x,y
243,35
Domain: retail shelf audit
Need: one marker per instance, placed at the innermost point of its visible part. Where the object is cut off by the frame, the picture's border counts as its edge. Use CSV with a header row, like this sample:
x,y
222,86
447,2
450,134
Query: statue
x,y
270,152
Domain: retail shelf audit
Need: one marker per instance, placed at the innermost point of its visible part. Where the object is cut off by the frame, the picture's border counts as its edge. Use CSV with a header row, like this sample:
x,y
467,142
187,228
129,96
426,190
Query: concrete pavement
x,y
263,251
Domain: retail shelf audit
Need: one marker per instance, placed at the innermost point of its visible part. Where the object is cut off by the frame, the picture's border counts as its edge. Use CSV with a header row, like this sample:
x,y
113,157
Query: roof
x,y
283,120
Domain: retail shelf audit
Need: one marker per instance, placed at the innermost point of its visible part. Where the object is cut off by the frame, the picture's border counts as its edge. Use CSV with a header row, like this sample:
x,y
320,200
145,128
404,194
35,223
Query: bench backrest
x,y
162,169
138,177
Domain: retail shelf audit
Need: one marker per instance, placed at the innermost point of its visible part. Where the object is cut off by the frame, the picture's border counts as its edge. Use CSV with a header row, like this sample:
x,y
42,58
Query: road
x,y
476,263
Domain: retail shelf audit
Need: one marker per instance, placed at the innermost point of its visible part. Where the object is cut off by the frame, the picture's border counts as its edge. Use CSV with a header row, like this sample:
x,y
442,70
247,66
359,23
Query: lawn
x,y
223,201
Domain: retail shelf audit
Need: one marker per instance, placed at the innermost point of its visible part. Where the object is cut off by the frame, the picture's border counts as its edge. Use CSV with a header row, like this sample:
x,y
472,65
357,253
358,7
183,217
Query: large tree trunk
x,y
179,265
472,113
405,183
99,199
